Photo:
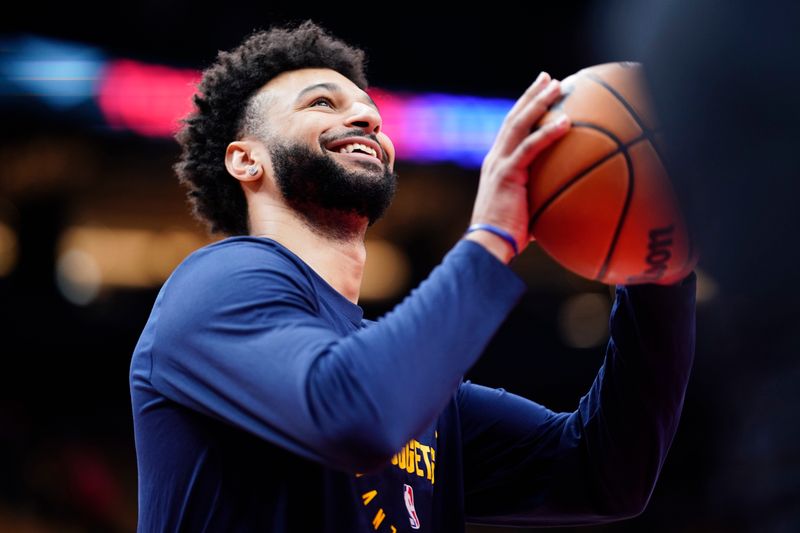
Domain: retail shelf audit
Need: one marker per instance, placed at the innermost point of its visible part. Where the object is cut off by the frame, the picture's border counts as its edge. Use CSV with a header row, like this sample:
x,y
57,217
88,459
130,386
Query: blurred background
x,y
92,221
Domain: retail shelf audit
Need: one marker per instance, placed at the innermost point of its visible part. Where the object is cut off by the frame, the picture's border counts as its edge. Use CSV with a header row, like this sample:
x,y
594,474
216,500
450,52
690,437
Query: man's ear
x,y
243,161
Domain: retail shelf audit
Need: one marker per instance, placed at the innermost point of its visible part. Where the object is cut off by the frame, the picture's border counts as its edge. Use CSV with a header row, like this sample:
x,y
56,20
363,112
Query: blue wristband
x,y
503,234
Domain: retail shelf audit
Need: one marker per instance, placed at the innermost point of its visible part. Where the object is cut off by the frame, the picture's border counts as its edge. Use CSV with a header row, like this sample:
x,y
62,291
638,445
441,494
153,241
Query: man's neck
x,y
339,259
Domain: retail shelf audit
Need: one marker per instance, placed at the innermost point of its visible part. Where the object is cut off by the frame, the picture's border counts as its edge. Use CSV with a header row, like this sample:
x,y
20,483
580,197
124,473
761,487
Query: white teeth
x,y
357,146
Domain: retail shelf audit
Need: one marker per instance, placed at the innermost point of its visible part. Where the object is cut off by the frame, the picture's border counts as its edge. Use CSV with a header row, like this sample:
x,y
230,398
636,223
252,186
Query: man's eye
x,y
322,99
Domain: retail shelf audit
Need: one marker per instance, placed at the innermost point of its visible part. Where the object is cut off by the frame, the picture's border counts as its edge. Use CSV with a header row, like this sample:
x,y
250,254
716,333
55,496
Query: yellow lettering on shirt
x,y
410,465
433,465
425,451
413,456
417,457
379,516
367,496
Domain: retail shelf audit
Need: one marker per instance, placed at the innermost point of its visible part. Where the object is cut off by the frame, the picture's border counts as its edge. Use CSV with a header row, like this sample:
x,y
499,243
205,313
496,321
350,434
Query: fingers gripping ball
x,y
601,202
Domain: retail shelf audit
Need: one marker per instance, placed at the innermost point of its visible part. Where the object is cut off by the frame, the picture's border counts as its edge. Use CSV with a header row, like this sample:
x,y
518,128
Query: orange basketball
x,y
601,201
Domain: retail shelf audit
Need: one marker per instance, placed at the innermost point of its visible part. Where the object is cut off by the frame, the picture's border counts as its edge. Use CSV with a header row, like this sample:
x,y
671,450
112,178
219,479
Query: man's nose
x,y
365,116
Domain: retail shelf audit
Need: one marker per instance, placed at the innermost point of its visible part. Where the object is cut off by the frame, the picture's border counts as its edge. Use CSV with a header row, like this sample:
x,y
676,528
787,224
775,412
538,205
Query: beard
x,y
327,195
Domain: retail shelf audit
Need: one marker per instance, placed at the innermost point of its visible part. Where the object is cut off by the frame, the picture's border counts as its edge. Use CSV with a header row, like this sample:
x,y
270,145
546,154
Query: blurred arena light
x,y
150,100
78,276
91,258
707,287
583,320
146,99
387,271
62,74
8,249
438,127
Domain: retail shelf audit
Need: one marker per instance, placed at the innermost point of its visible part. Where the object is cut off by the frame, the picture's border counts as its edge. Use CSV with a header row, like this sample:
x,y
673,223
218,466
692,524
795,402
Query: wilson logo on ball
x,y
658,255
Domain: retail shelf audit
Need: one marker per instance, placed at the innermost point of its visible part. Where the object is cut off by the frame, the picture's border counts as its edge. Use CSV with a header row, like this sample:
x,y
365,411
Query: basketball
x,y
601,202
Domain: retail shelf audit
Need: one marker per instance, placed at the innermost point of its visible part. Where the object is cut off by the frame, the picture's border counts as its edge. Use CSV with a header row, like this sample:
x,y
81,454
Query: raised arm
x,y
527,465
239,337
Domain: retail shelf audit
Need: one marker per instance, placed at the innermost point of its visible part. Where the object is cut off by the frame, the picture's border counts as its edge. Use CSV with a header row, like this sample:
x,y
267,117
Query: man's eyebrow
x,y
334,88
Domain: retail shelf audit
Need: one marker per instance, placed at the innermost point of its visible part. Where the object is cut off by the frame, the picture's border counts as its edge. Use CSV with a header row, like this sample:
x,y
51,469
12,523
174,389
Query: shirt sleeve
x,y
239,337
527,465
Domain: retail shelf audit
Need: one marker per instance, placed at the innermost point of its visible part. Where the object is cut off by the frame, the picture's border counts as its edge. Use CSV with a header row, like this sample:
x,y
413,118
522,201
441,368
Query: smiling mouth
x,y
355,148
356,154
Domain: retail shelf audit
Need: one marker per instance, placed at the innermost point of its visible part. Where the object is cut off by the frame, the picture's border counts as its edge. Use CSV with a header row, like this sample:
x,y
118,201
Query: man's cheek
x,y
388,147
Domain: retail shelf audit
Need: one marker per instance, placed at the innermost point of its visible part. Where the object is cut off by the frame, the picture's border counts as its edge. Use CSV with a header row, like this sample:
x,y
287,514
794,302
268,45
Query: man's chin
x,y
327,184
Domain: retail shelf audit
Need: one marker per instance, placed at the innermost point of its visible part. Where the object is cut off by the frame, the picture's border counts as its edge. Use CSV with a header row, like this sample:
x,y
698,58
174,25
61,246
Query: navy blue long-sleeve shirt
x,y
263,401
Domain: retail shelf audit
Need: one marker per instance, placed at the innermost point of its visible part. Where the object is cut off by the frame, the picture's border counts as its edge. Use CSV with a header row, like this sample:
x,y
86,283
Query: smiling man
x,y
264,401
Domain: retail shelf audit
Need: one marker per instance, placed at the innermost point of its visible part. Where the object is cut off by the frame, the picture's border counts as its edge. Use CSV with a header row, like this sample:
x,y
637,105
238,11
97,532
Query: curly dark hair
x,y
226,110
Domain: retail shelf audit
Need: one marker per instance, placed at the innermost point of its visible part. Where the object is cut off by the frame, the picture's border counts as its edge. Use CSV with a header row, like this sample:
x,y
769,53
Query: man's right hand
x,y
502,198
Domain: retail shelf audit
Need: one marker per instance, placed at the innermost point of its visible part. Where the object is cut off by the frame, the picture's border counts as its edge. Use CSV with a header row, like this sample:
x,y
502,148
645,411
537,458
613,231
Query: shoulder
x,y
239,252
237,269
239,257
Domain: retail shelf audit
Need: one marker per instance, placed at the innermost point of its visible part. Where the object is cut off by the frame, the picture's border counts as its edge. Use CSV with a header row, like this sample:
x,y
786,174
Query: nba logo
x,y
408,494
